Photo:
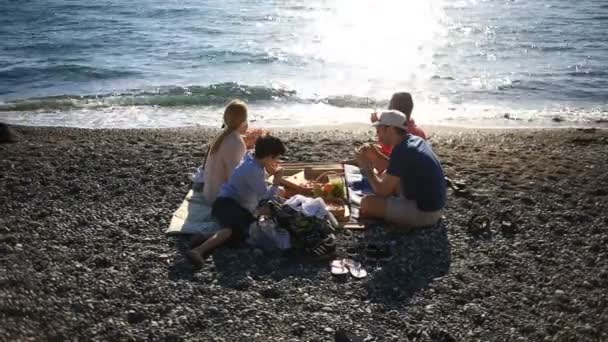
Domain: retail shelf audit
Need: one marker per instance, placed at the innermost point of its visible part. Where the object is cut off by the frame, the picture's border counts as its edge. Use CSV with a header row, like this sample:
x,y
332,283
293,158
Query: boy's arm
x,y
257,183
272,191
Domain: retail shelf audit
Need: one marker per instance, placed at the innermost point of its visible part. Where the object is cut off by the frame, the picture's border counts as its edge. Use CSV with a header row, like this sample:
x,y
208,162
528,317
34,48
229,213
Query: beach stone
x,y
134,275
134,317
561,295
271,293
7,135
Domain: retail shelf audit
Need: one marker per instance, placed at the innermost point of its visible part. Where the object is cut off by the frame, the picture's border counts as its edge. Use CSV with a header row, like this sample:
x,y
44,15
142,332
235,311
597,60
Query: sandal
x,y
337,267
355,268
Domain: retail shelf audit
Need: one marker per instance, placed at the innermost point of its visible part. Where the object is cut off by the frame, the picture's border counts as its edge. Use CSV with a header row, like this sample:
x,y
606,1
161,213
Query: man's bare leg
x,y
373,206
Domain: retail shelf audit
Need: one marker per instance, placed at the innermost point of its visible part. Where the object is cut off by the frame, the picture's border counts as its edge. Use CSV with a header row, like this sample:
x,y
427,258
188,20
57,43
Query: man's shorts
x,y
405,212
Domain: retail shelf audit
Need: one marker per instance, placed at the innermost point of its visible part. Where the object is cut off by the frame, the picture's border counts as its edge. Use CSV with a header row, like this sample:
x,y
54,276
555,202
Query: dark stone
x,y
271,293
508,228
102,262
343,336
7,135
134,317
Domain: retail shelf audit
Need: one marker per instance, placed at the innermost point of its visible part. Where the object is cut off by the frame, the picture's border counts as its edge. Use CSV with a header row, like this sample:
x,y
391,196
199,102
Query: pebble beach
x,y
520,255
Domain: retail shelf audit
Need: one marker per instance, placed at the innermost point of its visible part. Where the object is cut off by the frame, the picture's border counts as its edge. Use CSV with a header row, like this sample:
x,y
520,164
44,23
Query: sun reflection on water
x,y
372,45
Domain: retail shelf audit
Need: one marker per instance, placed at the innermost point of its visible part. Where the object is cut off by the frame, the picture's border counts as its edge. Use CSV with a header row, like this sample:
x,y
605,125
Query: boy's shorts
x,y
230,214
405,212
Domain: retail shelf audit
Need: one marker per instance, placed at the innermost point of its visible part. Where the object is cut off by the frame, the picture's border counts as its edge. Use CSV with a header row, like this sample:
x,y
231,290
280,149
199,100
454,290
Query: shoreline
x,y
522,253
356,127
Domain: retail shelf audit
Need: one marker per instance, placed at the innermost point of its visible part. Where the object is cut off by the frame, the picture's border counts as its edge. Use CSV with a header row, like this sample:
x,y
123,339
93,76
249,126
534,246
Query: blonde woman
x,y
227,150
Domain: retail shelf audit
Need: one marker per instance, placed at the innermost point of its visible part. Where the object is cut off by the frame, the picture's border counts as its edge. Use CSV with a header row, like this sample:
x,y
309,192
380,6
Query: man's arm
x,y
380,160
384,185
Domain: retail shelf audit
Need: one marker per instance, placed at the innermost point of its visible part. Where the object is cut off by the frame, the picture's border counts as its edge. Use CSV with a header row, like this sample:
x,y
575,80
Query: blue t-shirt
x,y
422,179
247,184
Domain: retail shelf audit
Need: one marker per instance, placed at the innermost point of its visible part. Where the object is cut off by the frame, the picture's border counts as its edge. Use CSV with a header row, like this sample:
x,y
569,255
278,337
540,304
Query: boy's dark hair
x,y
402,102
268,145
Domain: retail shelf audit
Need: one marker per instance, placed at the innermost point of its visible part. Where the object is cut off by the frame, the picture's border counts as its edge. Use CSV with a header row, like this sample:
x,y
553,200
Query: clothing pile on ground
x,y
308,223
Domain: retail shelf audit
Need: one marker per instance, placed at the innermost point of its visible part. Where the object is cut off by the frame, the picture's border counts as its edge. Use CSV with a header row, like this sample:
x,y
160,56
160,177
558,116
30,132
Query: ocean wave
x,y
588,73
350,101
168,96
237,57
175,96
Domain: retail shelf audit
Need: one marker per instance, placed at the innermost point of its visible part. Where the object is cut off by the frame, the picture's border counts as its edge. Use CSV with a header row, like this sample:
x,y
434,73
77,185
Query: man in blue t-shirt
x,y
412,191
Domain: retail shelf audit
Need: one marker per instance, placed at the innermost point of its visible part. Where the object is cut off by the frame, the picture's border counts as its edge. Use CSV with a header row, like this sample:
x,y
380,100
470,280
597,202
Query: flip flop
x,y
355,268
337,267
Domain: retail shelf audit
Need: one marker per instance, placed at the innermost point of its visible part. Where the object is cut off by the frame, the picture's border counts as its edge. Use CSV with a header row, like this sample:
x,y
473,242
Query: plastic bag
x,y
265,234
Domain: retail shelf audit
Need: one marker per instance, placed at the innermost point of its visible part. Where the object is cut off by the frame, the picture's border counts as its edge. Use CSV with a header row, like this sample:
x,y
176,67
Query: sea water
x,y
152,63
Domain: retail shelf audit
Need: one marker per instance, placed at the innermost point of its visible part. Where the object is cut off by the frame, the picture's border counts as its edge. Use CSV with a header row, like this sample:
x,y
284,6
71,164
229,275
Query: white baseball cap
x,y
393,118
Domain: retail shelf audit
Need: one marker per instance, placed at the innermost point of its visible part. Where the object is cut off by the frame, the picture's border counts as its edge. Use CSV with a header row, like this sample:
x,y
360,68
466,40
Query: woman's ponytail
x,y
234,116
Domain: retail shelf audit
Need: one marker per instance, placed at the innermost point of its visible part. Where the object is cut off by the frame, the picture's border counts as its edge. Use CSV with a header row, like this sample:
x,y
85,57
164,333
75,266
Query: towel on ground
x,y
192,217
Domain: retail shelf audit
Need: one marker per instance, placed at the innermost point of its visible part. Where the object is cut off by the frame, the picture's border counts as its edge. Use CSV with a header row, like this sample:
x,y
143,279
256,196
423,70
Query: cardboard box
x,y
301,178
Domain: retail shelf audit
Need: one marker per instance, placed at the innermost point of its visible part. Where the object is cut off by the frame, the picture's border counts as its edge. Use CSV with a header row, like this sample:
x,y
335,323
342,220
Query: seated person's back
x,y
221,164
420,172
412,191
226,151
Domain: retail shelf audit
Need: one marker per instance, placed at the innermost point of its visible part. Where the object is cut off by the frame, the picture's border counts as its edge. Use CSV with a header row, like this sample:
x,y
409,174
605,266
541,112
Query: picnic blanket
x,y
358,185
192,217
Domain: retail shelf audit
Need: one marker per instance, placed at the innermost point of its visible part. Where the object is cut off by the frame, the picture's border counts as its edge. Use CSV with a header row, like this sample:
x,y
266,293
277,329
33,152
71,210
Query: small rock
x,y
134,317
561,295
6,134
271,293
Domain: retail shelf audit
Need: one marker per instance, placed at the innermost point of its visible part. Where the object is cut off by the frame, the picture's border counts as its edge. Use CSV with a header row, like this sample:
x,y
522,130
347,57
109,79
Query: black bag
x,y
311,234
